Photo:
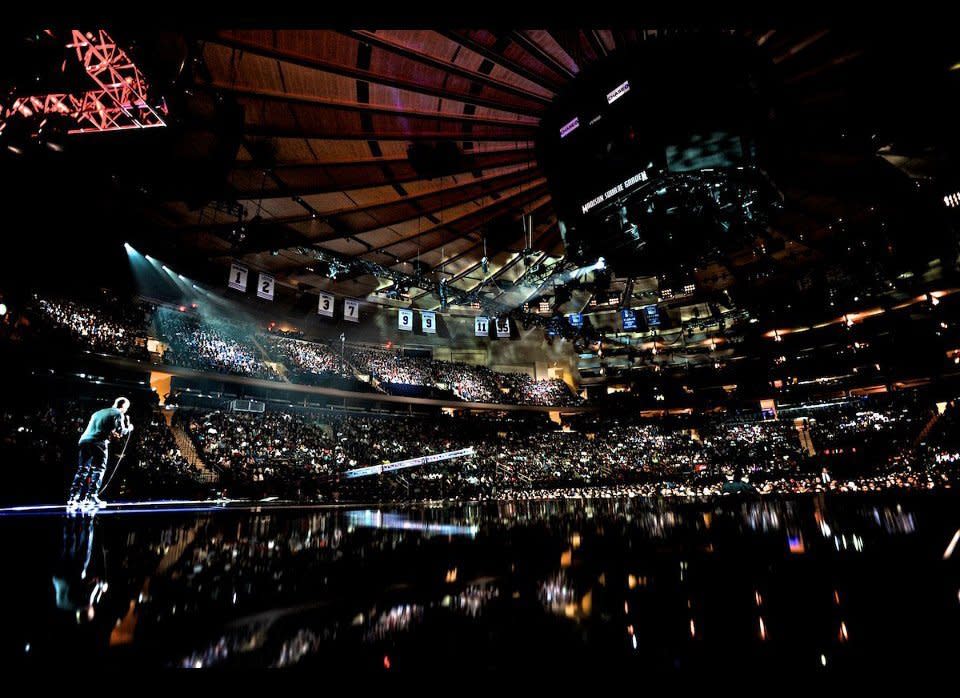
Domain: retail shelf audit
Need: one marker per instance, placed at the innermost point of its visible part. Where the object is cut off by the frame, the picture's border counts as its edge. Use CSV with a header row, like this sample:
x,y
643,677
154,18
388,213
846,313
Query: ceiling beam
x,y
531,47
365,107
485,184
532,109
360,134
507,63
371,174
595,43
440,64
484,214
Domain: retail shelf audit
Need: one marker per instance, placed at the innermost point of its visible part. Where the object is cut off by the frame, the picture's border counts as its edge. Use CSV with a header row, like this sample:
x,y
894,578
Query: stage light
x,y
3,309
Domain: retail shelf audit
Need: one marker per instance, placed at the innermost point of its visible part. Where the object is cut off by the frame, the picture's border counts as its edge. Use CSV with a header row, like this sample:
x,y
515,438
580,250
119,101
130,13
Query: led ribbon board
x,y
569,127
618,92
409,463
610,193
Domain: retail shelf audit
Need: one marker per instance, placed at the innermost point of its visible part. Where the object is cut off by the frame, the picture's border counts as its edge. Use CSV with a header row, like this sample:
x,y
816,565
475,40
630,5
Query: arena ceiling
x,y
329,115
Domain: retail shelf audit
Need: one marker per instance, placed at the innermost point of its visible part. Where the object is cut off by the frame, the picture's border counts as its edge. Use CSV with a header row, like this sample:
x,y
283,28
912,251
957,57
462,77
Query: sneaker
x,y
93,502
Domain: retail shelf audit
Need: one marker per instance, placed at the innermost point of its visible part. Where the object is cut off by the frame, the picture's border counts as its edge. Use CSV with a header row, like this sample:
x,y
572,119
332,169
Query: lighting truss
x,y
118,102
454,295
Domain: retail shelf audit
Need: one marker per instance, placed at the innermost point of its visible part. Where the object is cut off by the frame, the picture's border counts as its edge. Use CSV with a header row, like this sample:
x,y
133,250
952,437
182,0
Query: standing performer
x,y
106,424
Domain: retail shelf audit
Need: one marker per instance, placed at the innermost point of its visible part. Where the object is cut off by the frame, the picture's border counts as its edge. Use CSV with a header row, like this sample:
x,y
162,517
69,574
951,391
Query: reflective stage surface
x,y
800,585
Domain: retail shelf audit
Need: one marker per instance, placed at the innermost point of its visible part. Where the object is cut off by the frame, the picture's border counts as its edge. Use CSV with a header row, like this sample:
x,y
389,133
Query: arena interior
x,y
443,348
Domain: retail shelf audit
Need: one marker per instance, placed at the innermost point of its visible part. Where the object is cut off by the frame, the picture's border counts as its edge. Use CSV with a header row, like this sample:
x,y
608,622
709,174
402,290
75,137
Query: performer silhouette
x,y
104,425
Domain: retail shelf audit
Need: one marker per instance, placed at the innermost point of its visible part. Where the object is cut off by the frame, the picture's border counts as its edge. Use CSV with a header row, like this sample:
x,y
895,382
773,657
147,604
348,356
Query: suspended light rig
x,y
118,98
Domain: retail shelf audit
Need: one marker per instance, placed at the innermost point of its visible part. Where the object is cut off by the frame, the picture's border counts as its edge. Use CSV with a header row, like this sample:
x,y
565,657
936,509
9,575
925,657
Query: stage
x,y
171,505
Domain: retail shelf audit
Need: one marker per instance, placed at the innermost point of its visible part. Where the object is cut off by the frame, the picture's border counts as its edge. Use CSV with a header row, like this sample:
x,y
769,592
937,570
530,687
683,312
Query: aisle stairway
x,y
927,428
265,356
189,451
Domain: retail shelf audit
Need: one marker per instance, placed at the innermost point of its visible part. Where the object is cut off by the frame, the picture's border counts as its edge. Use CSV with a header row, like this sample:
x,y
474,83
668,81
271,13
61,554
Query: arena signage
x,y
629,319
618,92
481,326
610,193
409,463
652,315
405,320
569,127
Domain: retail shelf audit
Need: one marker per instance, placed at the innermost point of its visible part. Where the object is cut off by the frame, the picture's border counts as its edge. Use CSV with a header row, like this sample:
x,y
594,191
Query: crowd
x,y
120,331
311,363
303,453
526,390
468,382
210,344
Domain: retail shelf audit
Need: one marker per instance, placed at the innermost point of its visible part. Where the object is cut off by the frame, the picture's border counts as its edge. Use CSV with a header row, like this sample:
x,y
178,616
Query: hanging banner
x,y
238,277
265,286
503,327
629,319
481,326
428,322
405,320
351,310
651,314
575,319
325,305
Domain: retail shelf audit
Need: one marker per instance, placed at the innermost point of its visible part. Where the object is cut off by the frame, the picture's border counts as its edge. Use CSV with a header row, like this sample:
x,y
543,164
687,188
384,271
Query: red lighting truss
x,y
118,102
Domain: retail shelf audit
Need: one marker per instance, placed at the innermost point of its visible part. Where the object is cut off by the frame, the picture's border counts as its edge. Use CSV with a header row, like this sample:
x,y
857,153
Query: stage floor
x,y
798,585
166,506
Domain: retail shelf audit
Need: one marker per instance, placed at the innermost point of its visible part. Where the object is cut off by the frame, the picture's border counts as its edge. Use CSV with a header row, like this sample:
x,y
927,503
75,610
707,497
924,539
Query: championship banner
x,y
575,319
351,310
629,319
265,286
409,463
238,277
405,320
428,321
652,315
325,305
503,327
481,326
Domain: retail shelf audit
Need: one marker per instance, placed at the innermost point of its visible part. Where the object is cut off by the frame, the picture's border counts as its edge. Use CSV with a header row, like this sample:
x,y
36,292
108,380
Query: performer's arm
x,y
123,426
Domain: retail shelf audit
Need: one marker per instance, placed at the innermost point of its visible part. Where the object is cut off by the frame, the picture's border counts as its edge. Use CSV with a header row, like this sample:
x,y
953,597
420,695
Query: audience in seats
x,y
120,331
210,344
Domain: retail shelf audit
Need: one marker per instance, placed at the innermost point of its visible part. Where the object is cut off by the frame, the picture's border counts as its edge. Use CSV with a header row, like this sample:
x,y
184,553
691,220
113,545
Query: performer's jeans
x,y
92,465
